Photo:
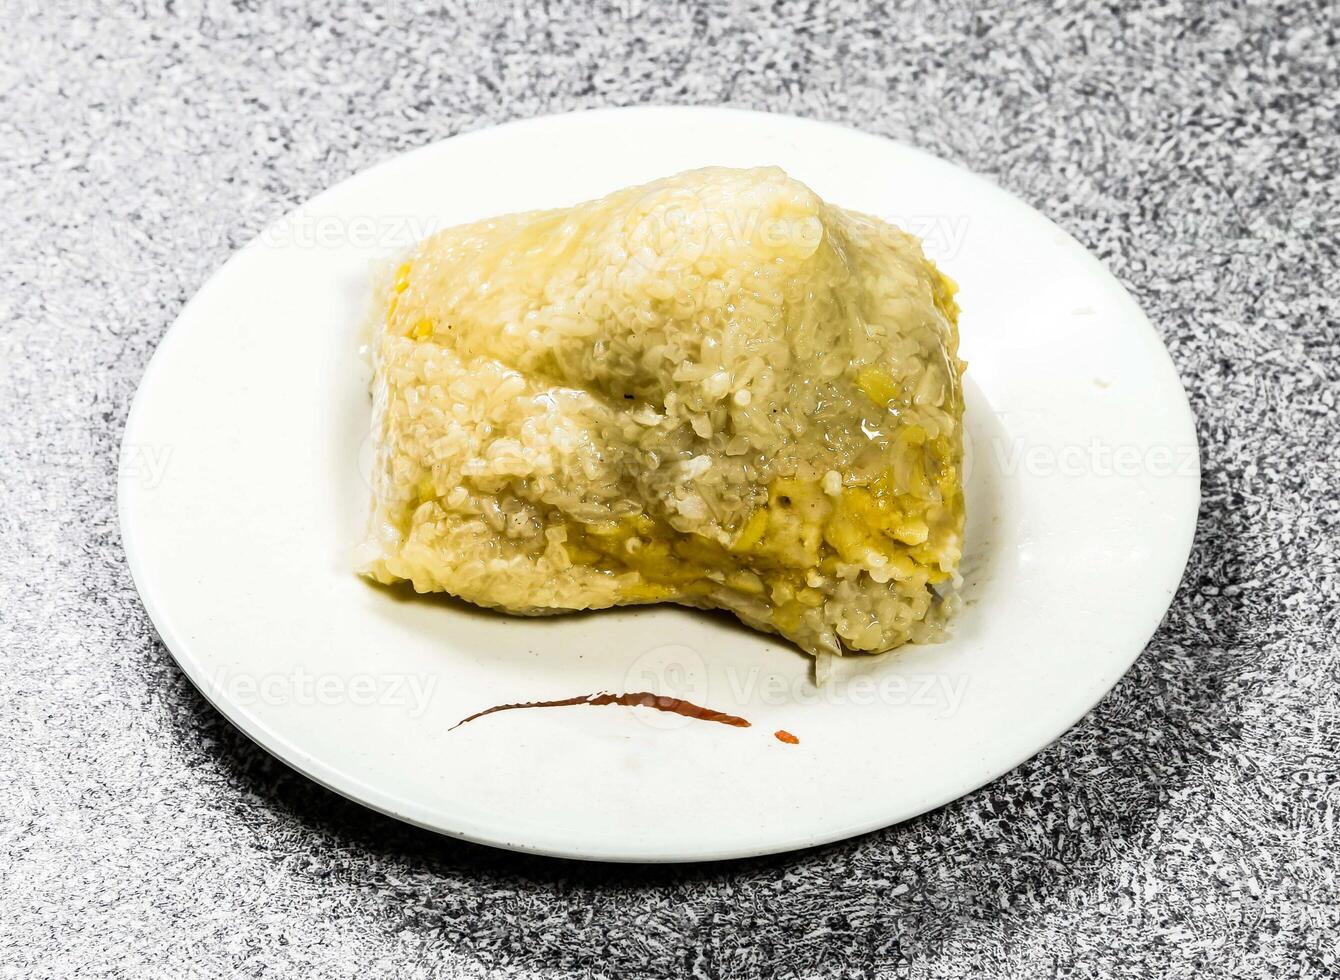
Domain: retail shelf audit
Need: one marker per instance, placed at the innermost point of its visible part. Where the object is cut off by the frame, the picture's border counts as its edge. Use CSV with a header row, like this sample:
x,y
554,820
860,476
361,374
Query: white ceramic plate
x,y
242,492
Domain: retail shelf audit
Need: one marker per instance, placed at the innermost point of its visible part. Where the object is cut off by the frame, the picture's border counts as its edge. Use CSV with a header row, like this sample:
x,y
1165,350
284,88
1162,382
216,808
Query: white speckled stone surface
x,y
1187,828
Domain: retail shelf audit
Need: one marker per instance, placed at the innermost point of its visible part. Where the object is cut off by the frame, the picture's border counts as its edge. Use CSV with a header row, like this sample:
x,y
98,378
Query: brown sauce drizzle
x,y
641,699
782,735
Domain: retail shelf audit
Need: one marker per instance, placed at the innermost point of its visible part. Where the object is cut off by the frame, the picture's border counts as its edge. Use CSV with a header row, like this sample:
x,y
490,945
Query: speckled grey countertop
x,y
1186,828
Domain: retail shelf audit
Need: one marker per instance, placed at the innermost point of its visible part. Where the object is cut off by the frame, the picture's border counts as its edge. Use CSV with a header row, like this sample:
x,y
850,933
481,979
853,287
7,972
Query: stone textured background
x,y
1187,828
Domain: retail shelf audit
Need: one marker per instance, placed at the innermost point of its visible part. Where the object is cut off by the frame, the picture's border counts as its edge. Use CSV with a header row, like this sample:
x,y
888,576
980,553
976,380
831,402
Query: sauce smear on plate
x,y
641,699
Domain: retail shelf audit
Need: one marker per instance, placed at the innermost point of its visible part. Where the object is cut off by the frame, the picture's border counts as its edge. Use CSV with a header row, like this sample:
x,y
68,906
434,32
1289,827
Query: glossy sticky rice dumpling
x,y
714,390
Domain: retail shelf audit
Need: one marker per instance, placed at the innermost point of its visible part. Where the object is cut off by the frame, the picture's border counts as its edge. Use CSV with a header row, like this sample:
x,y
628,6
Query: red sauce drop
x,y
640,699
787,737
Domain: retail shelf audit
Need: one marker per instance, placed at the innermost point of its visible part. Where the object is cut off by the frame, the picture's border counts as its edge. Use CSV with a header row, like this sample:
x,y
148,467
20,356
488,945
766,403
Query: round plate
x,y
243,491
